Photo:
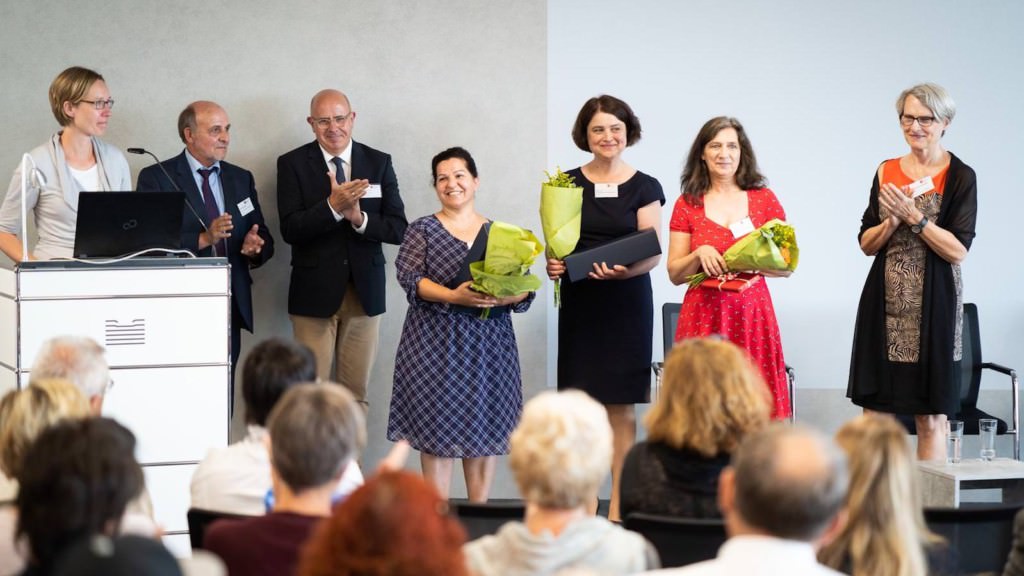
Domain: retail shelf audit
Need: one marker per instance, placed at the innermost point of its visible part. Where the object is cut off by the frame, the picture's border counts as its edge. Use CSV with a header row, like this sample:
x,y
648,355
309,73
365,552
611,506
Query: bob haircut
x,y
561,449
71,85
610,105
711,398
931,95
696,180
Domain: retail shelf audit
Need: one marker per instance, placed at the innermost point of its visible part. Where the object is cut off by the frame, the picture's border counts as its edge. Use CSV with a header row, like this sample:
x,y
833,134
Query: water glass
x,y
987,430
954,438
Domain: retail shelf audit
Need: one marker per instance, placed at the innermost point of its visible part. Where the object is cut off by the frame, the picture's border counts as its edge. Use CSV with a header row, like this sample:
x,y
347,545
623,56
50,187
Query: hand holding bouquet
x,y
505,269
561,208
772,247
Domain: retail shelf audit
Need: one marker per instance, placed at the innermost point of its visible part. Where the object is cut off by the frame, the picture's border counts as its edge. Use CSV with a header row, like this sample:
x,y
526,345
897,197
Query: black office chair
x,y
199,520
679,541
669,320
979,538
482,519
970,383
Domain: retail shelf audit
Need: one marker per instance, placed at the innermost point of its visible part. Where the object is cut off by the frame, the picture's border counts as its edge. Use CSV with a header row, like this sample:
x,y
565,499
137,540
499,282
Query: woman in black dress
x,y
606,322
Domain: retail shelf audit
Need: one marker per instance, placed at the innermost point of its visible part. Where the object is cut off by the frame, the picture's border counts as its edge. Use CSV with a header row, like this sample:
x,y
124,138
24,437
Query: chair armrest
x,y
999,368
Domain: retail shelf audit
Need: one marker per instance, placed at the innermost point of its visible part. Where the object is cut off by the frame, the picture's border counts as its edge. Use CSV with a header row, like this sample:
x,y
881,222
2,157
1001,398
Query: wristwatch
x,y
916,228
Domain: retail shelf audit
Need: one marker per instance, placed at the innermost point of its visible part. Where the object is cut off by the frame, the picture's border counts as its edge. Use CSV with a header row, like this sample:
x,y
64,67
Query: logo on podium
x,y
132,333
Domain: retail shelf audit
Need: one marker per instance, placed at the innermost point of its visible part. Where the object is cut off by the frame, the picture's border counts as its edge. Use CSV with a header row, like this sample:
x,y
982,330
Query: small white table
x,y
942,483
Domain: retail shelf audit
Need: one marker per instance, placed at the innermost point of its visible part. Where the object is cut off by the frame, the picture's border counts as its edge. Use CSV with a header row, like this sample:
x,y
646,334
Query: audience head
x,y
609,105
394,525
78,478
711,397
100,555
316,430
271,367
561,450
696,177
78,359
25,413
885,531
68,89
787,482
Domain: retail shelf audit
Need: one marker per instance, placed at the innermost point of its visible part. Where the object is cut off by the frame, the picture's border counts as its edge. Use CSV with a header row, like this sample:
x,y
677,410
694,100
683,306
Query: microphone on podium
x,y
171,180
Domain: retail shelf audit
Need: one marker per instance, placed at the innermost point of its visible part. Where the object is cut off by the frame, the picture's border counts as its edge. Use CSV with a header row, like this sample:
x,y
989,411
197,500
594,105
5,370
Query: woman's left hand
x,y
898,203
603,272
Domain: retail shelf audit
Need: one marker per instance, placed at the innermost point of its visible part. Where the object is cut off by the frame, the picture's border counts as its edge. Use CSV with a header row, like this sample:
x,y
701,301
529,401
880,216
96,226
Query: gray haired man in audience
x,y
79,360
315,432
780,497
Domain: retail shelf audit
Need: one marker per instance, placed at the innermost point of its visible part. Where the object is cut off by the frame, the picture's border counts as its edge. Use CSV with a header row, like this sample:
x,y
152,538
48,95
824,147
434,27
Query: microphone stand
x,y
173,183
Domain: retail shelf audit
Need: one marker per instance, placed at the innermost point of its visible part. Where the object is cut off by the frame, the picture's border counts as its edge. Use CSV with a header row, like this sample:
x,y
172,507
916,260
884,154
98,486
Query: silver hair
x,y
934,97
78,359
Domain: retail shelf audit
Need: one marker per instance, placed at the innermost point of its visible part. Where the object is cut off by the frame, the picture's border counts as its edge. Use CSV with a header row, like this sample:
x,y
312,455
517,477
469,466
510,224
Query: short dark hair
x,y
79,477
315,431
695,180
271,367
453,152
610,105
788,491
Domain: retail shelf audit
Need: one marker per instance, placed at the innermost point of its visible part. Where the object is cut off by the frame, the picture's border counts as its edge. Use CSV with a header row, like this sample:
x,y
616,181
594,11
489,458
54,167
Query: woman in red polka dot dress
x,y
724,198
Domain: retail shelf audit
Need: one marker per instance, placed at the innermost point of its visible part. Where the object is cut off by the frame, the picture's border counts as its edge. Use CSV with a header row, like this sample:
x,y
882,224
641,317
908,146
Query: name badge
x,y
921,187
245,207
742,227
373,191
606,190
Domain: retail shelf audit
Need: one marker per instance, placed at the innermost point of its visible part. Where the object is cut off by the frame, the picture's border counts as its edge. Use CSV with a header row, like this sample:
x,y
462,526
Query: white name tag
x,y
245,206
373,191
742,228
922,186
606,190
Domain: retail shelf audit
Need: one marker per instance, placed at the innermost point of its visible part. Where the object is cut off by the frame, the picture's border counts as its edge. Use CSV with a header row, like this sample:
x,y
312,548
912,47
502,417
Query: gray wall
x,y
814,84
422,76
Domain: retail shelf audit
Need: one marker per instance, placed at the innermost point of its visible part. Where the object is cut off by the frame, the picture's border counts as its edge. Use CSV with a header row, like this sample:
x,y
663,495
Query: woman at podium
x,y
73,160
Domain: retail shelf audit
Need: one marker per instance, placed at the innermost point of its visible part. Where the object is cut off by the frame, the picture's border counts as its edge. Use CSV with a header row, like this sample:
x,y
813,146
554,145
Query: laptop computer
x,y
112,224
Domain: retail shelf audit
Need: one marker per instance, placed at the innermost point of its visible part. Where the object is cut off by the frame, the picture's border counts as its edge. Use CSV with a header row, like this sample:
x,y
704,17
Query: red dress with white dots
x,y
746,318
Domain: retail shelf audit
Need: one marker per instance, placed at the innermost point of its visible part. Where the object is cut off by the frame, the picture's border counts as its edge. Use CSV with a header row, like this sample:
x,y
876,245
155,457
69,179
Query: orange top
x,y
892,172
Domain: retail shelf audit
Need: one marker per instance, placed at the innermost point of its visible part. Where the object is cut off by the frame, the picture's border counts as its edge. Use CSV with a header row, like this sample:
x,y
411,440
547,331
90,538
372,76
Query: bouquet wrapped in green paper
x,y
771,247
505,269
561,207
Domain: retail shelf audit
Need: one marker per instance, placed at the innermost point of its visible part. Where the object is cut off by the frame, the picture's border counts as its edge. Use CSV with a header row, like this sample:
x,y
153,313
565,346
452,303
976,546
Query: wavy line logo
x,y
132,333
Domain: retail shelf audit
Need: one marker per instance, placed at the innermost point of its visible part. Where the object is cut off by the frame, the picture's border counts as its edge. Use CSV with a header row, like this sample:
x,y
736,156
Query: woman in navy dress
x,y
457,389
606,322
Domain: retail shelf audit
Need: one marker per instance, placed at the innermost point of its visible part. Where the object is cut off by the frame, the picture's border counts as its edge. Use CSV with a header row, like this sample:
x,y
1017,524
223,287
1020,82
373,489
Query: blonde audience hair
x,y
561,449
711,397
25,413
885,533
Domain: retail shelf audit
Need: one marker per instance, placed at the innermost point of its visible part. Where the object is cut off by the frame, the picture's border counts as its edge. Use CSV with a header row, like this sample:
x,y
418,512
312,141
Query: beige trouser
x,y
348,340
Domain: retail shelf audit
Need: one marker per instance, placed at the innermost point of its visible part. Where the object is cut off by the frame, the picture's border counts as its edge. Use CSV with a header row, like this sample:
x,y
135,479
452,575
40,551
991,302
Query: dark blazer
x,y
326,253
238,184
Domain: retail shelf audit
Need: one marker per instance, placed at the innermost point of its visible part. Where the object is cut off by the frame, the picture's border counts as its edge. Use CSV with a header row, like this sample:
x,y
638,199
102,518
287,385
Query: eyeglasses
x,y
326,122
924,121
100,104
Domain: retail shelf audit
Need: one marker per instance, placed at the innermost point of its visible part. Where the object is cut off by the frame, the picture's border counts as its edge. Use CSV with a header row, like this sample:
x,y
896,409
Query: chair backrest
x,y
669,321
481,519
199,520
679,541
970,365
980,538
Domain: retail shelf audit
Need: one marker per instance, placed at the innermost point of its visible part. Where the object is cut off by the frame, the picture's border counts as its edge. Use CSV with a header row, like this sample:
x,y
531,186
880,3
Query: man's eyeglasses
x,y
326,122
100,104
924,121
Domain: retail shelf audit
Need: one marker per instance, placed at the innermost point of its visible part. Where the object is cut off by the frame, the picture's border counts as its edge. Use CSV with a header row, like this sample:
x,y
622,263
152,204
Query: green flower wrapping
x,y
772,247
561,208
505,269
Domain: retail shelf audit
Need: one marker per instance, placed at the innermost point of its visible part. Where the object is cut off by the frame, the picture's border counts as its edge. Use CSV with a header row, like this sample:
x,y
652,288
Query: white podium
x,y
165,325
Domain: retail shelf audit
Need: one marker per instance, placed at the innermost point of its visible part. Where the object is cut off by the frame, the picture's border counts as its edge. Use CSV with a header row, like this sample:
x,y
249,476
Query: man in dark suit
x,y
338,201
224,196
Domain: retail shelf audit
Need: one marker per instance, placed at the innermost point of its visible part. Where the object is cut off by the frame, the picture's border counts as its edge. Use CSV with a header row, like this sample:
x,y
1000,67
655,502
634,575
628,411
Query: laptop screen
x,y
112,224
